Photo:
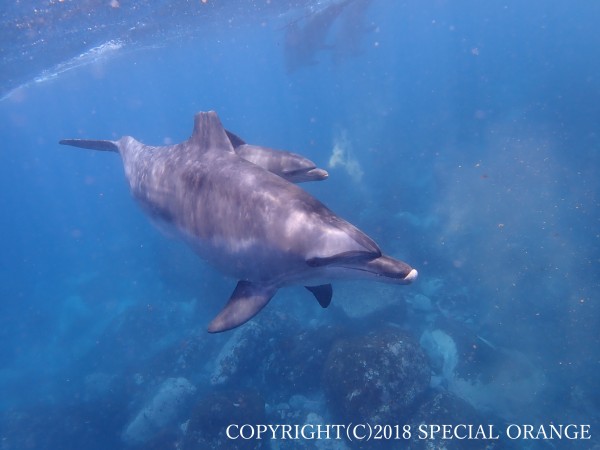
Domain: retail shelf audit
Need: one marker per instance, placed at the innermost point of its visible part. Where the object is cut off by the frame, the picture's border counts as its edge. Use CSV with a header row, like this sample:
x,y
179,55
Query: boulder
x,y
207,426
442,407
250,347
297,360
163,410
375,378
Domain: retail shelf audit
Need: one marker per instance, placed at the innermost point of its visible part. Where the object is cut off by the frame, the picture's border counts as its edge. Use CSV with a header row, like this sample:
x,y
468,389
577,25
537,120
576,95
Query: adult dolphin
x,y
248,222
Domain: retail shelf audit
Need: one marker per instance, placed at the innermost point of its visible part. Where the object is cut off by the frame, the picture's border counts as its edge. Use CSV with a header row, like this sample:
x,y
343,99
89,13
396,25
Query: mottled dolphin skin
x,y
248,222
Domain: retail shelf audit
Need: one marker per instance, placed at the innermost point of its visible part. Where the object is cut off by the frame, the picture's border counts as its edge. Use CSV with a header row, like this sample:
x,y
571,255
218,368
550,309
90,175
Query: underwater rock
x,y
443,407
238,355
130,339
375,378
303,411
432,286
297,360
310,423
442,353
296,409
488,377
364,301
161,411
420,303
250,346
207,426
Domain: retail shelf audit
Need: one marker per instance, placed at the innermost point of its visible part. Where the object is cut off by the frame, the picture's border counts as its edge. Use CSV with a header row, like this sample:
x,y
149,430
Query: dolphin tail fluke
x,y
245,302
322,293
106,146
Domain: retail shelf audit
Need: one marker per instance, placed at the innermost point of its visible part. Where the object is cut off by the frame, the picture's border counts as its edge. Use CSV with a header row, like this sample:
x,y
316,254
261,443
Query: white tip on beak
x,y
412,276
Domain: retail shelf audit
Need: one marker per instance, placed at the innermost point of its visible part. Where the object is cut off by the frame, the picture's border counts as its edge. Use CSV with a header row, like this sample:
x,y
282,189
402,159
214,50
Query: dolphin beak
x,y
317,174
412,276
391,270
303,175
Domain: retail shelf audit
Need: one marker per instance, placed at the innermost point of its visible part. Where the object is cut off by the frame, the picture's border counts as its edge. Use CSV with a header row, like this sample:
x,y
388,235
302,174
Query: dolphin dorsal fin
x,y
209,132
235,140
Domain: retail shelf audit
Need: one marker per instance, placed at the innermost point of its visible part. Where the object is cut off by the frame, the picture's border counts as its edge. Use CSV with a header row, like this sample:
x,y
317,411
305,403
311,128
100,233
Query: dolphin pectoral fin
x,y
106,146
322,293
245,302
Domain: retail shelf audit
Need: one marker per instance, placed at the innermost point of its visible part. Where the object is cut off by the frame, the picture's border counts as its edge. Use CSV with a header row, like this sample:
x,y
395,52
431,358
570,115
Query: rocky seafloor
x,y
401,363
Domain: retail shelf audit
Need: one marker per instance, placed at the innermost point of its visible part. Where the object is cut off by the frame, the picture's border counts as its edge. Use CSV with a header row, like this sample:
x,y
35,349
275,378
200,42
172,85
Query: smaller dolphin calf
x,y
238,208
292,167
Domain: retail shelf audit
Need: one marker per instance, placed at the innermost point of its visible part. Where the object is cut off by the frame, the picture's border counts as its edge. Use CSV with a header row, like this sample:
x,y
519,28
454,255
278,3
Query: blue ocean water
x,y
462,136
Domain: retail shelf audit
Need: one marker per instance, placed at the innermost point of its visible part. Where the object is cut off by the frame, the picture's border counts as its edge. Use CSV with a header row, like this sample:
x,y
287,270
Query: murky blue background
x,y
470,148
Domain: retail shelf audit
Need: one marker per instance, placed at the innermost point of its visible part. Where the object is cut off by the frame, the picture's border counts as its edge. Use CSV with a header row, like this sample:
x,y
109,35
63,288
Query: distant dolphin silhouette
x,y
248,222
